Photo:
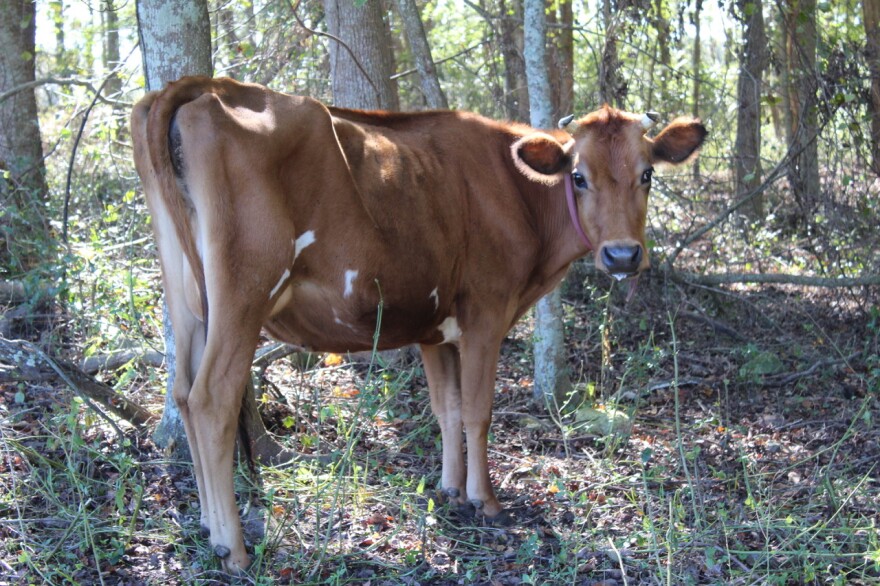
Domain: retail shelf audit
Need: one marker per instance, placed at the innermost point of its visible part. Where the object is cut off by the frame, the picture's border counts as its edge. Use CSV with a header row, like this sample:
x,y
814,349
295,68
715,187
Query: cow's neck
x,y
561,244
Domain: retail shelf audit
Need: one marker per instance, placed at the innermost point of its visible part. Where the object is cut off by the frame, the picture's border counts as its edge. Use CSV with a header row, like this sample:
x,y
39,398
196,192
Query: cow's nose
x,y
622,259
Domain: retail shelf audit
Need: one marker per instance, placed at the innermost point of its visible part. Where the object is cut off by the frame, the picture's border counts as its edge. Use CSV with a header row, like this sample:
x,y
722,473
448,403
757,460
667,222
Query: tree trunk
x,y
56,9
871,15
800,50
421,51
753,60
175,41
695,67
516,90
364,83
111,47
661,25
231,43
24,233
551,378
113,87
612,88
562,62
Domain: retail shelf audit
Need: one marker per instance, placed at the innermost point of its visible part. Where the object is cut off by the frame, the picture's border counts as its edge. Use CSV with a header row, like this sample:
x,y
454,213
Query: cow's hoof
x,y
222,552
501,520
236,569
451,493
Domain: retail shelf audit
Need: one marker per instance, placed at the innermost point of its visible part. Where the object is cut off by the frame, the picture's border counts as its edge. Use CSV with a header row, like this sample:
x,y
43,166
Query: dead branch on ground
x,y
21,361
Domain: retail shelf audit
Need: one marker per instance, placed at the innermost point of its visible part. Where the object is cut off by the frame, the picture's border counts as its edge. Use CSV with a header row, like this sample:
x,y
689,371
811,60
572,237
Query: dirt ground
x,y
743,450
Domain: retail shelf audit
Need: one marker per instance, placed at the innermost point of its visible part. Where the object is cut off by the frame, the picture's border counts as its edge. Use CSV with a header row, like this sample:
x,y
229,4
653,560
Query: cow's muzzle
x,y
621,260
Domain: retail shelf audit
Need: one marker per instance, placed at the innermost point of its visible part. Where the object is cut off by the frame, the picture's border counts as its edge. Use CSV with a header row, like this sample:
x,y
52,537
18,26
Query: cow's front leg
x,y
443,370
479,361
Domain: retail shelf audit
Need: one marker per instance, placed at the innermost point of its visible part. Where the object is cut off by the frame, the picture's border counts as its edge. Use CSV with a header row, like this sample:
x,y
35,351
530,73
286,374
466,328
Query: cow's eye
x,y
646,176
579,179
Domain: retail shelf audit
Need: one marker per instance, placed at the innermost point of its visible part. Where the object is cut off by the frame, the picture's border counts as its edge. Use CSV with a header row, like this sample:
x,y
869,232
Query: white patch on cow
x,y
281,281
340,322
436,297
350,276
450,330
305,239
283,301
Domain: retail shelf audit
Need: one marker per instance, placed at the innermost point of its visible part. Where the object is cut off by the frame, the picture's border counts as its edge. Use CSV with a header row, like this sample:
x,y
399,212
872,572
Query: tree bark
x,y
364,83
800,49
24,232
753,59
175,41
551,377
516,92
871,17
421,51
56,9
612,88
111,48
562,61
662,26
696,66
231,43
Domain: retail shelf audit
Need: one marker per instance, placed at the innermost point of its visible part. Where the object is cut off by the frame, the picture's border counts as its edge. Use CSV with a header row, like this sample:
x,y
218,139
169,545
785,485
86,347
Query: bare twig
x,y
441,61
62,81
714,324
295,7
76,388
79,134
777,173
781,380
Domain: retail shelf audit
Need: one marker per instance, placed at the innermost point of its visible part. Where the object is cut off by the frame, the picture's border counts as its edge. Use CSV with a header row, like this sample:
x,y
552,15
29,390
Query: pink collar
x,y
572,211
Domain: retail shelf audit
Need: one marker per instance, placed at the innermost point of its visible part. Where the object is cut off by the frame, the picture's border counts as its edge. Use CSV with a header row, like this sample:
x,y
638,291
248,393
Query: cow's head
x,y
611,160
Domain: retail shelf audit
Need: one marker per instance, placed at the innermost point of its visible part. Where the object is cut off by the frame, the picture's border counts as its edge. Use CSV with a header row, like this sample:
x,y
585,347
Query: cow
x,y
276,212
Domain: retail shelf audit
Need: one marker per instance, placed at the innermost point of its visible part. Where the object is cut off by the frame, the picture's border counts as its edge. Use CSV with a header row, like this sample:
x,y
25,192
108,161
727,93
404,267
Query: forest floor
x,y
719,436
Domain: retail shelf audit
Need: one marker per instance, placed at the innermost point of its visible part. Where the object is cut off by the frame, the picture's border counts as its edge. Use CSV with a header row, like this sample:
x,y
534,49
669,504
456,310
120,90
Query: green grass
x,y
719,481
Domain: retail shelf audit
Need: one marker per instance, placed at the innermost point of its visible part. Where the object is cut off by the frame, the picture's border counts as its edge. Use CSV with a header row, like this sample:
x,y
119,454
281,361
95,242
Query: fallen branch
x,y
780,380
21,361
95,364
771,278
716,325
715,279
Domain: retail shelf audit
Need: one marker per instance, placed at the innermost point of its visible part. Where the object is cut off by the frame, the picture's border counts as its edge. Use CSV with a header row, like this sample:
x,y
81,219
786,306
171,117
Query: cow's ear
x,y
541,158
679,141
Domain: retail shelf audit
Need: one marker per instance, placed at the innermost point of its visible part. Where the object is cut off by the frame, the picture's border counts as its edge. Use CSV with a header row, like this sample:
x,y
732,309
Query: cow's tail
x,y
169,180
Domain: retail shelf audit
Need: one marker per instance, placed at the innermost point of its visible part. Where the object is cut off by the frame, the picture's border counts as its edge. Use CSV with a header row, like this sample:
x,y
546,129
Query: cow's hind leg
x,y
443,370
214,404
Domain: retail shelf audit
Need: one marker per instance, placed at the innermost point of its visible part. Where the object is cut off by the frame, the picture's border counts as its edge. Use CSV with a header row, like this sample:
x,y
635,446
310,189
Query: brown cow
x,y
274,211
